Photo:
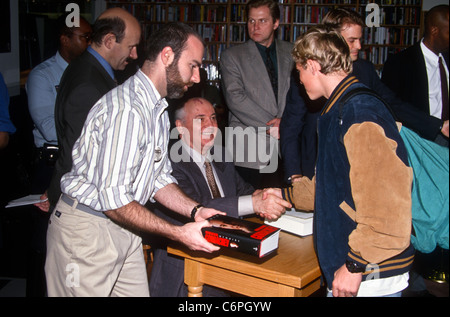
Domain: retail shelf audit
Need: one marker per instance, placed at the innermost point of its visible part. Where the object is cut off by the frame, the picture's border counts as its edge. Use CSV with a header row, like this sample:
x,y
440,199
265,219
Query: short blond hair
x,y
326,46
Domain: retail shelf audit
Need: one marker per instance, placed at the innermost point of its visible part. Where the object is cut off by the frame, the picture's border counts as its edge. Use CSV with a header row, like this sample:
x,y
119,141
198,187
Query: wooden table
x,y
292,271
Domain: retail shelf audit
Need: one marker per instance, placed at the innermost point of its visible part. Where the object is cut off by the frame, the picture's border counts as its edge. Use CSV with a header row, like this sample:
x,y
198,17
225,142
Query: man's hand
x,y
274,129
44,206
191,236
206,213
269,203
445,128
346,284
136,217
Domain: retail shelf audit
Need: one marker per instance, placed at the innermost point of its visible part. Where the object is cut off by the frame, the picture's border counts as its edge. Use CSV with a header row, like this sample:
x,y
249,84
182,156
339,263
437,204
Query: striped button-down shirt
x,y
122,153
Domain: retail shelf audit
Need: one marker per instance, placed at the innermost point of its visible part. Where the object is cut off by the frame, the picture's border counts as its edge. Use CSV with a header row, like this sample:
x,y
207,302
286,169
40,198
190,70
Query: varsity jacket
x,y
361,193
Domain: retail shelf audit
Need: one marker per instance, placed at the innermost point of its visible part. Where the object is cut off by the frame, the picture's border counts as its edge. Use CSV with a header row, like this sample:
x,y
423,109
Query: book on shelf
x,y
293,221
253,238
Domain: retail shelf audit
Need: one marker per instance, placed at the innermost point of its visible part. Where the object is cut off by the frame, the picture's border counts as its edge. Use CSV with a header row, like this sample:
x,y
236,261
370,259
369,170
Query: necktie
x,y
444,89
211,181
272,73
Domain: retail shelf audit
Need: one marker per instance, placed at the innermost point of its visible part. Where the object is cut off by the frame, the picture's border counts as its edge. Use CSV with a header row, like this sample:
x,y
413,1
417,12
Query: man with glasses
x,y
42,87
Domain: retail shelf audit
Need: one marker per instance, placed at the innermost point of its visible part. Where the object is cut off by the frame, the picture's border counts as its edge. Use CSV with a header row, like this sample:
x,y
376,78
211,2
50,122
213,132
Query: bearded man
x,y
120,162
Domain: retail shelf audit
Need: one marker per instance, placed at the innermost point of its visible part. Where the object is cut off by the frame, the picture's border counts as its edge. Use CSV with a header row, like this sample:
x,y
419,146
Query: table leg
x,y
192,271
195,291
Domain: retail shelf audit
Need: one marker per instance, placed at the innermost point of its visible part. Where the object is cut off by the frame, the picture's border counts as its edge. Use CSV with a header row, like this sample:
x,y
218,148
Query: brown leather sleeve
x,y
302,194
381,188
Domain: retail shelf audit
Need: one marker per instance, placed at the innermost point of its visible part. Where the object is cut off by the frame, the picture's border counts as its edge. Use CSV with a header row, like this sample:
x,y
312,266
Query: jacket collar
x,y
338,92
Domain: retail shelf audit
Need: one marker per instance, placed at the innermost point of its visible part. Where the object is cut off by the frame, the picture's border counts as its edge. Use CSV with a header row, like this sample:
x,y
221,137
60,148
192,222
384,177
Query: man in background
x,y
415,73
299,123
116,34
255,79
42,87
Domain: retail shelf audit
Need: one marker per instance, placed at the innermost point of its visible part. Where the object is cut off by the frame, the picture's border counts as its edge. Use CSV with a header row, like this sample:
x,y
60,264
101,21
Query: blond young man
x,y
361,193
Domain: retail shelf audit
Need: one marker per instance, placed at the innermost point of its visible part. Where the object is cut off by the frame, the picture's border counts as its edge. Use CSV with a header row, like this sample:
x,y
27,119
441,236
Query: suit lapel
x,y
257,67
284,73
92,60
422,78
196,175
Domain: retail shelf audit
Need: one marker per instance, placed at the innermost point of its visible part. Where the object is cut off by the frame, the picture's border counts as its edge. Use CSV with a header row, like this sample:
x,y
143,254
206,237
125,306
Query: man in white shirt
x,y
119,163
414,73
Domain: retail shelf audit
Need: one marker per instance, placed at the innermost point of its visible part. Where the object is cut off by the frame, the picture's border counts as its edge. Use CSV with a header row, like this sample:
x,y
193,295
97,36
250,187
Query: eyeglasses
x,y
86,36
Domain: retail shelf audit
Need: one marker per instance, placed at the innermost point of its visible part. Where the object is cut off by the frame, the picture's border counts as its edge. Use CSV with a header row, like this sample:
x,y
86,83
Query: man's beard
x,y
175,84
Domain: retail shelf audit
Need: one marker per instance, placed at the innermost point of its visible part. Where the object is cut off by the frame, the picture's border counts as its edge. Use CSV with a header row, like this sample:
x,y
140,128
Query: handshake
x,y
269,203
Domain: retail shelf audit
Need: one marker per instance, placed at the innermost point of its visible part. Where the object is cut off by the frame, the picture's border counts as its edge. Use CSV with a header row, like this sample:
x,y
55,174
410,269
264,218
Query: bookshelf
x,y
222,23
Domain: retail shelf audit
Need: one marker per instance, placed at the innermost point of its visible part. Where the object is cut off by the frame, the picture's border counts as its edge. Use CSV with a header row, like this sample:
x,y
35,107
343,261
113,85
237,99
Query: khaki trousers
x,y
89,255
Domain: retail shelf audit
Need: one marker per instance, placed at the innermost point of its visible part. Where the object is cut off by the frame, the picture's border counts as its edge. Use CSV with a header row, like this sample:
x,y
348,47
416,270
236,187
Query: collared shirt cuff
x,y
245,205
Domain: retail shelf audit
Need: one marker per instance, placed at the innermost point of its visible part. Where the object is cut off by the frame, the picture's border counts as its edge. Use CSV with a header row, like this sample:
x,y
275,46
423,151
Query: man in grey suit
x,y
197,124
255,79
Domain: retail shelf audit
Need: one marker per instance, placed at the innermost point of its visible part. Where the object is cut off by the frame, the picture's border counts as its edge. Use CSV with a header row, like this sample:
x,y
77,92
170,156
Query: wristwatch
x,y
354,267
194,211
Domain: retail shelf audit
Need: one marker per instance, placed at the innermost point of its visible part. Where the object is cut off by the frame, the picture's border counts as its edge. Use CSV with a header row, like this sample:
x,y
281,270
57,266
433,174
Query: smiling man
x,y
255,77
205,176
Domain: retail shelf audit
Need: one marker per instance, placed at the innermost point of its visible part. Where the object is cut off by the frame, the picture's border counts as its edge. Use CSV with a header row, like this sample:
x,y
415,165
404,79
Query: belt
x,y
71,202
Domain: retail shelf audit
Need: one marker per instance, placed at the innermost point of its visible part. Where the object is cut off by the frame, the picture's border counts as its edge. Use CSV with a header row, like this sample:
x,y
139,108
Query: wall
x,y
428,4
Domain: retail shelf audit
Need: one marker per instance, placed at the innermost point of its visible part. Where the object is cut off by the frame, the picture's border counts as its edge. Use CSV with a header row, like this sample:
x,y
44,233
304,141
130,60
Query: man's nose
x,y
133,53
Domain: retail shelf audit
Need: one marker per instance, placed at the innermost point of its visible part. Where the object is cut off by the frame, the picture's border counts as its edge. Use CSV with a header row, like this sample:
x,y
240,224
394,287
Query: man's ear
x,y
434,31
109,40
167,56
63,39
313,66
180,127
276,24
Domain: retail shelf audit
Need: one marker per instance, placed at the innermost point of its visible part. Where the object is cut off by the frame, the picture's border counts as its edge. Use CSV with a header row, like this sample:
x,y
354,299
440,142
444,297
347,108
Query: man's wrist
x,y
355,267
195,210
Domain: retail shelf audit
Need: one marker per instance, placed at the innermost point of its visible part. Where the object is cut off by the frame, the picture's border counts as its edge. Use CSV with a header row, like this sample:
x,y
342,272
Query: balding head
x,y
196,121
116,35
126,16
115,21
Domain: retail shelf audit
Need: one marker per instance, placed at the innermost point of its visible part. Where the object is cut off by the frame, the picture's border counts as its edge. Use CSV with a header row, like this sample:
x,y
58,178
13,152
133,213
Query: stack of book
x,y
296,222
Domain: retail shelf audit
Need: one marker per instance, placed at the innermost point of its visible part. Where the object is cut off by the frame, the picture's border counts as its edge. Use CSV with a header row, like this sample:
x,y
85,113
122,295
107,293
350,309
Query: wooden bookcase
x,y
222,23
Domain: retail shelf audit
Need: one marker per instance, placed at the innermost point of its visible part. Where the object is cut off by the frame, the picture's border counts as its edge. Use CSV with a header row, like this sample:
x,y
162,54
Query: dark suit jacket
x,y
167,277
406,74
298,129
83,83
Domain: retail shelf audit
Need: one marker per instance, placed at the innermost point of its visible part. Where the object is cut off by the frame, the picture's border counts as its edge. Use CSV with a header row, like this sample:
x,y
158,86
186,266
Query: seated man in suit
x,y
196,123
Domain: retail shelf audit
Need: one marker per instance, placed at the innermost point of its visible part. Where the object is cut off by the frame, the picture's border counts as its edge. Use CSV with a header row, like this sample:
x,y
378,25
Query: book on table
x,y
294,221
257,239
